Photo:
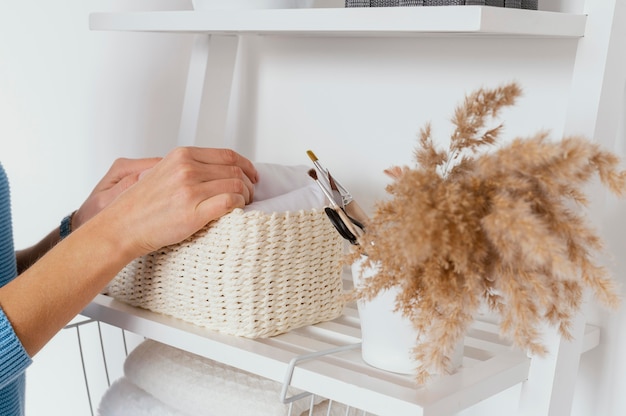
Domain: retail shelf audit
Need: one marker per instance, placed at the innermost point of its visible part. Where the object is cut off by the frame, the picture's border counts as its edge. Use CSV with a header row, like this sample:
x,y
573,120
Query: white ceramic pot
x,y
250,4
387,336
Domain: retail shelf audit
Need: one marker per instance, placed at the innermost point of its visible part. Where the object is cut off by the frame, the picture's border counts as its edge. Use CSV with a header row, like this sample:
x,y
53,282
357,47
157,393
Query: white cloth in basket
x,y
285,188
187,384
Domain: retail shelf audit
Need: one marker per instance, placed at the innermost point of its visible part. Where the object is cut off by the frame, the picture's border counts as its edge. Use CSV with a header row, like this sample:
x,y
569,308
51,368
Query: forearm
x,y
26,257
122,219
42,300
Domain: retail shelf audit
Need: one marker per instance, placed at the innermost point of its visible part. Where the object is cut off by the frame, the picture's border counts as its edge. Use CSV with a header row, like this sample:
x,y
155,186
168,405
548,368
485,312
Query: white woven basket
x,y
248,274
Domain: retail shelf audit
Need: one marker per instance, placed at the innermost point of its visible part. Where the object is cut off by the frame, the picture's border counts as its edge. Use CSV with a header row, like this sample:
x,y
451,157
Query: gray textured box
x,y
530,4
444,2
523,4
496,3
357,3
384,3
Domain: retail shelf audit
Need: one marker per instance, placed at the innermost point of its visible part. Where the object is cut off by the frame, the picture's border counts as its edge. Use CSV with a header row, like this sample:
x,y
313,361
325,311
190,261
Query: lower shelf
x,y
490,365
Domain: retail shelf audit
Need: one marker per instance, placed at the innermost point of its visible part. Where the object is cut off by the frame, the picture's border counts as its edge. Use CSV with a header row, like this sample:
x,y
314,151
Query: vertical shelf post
x,y
208,91
595,109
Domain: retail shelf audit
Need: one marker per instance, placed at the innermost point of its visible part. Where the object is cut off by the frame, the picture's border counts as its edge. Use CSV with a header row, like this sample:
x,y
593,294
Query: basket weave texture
x,y
248,274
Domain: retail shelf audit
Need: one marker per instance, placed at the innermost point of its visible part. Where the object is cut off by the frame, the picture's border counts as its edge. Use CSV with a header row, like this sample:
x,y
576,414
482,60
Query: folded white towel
x,y
199,386
285,188
124,398
163,381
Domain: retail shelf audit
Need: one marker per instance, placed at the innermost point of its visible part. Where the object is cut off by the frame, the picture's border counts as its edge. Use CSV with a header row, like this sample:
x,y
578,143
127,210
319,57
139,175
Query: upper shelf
x,y
379,21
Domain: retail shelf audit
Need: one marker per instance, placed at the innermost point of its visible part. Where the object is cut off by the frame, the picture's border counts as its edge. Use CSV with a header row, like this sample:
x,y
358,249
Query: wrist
x,y
110,229
66,226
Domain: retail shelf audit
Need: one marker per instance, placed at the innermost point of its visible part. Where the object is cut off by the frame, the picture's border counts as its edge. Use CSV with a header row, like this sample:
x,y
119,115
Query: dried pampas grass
x,y
465,228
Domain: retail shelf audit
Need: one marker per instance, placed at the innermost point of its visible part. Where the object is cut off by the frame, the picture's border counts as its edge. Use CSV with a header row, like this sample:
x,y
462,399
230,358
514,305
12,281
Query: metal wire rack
x,y
103,349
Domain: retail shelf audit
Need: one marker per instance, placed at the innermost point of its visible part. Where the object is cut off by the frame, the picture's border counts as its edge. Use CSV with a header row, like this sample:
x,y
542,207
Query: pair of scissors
x,y
344,213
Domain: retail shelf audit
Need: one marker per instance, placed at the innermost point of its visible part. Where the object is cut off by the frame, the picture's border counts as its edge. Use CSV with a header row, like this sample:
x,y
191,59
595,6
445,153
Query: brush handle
x,y
355,211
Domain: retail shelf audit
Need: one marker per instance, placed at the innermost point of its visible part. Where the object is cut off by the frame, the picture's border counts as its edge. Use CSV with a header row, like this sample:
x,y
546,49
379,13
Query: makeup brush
x,y
315,161
348,223
333,203
349,204
352,208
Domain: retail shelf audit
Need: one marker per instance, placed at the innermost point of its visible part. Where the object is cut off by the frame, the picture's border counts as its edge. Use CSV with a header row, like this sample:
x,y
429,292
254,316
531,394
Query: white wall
x,y
72,100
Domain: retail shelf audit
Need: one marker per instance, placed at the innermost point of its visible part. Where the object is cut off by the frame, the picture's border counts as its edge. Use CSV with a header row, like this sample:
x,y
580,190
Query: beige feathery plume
x,y
503,228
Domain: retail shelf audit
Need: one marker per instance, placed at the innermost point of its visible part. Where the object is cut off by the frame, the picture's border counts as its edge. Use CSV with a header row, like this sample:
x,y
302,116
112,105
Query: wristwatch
x,y
66,225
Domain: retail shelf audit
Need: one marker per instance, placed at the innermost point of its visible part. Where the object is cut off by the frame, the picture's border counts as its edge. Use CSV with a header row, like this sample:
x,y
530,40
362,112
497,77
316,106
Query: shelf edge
x,y
390,21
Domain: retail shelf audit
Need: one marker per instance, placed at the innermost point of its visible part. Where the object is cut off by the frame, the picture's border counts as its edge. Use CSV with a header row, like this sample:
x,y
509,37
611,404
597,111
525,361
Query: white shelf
x,y
489,367
385,21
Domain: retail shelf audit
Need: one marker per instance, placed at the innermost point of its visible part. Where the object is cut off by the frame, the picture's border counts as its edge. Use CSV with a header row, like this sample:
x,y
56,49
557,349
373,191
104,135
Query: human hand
x,y
180,194
122,174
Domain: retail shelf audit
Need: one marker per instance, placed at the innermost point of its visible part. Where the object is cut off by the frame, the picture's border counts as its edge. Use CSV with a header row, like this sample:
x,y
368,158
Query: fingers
x,y
168,201
220,205
220,179
109,188
229,186
215,165
123,168
225,157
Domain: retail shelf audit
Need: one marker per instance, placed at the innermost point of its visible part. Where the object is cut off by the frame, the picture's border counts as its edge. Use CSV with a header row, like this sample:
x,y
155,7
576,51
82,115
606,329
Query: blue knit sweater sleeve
x,y
13,357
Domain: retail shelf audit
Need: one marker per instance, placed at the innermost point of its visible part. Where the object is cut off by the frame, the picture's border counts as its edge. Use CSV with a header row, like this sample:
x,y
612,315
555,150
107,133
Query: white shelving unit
x,y
490,366
219,30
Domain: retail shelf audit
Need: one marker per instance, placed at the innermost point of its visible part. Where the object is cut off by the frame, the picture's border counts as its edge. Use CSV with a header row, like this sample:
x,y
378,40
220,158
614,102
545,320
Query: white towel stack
x,y
160,380
125,398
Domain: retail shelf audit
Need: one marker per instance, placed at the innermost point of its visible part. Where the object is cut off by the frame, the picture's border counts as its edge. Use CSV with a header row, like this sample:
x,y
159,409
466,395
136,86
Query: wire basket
x,y
111,384
248,274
